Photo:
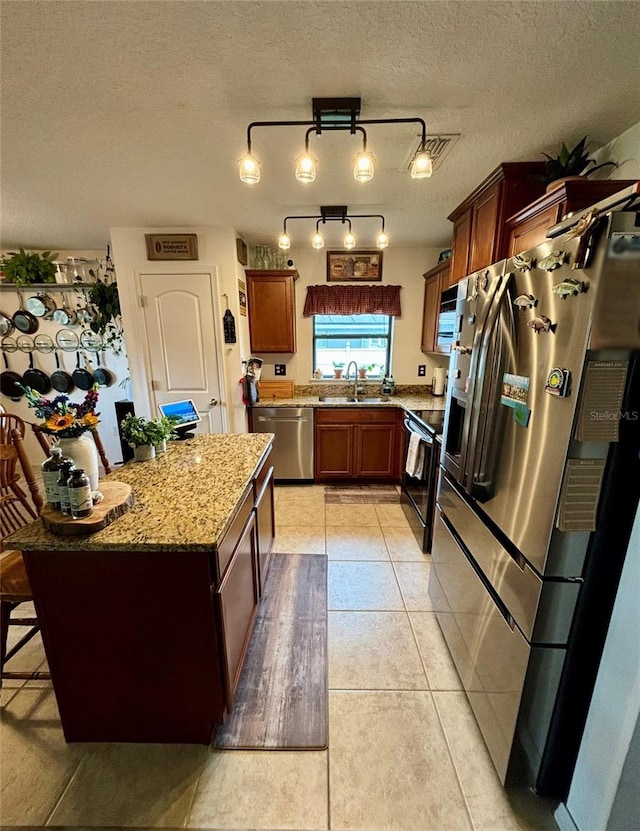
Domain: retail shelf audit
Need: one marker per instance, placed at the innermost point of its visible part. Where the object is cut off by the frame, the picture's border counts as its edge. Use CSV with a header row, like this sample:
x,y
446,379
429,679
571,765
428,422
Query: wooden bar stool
x,y
16,511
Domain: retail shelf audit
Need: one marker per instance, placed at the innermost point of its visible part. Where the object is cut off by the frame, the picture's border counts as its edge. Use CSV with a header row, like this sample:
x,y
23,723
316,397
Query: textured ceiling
x,y
135,113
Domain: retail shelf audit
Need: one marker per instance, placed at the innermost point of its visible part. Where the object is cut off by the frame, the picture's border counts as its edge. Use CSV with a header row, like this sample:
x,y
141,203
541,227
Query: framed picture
x,y
364,266
172,246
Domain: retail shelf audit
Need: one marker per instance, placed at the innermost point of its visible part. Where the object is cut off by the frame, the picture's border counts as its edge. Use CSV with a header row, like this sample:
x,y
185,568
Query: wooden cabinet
x,y
237,603
272,310
358,444
480,236
437,281
529,226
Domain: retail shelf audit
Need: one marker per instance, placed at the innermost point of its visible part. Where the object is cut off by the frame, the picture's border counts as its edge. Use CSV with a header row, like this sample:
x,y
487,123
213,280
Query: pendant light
x,y
337,213
349,241
317,240
249,169
284,241
422,165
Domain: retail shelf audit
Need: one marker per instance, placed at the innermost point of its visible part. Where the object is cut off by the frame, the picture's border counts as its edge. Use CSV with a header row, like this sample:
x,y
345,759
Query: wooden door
x,y
271,302
430,313
182,334
483,235
375,446
333,450
265,526
534,230
461,245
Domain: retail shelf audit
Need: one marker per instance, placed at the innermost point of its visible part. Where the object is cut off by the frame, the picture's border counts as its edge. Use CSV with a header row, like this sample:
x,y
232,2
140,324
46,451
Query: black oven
x,y
419,474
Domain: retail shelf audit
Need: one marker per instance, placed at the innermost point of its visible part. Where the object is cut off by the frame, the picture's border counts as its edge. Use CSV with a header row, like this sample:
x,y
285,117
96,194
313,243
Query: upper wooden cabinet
x,y
529,226
480,235
437,280
272,310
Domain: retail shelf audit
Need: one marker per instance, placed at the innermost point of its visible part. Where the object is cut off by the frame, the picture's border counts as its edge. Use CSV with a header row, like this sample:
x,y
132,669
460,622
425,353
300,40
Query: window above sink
x,y
365,339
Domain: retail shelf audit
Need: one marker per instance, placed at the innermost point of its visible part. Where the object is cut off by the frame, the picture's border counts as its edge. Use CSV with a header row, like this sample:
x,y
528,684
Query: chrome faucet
x,y
355,377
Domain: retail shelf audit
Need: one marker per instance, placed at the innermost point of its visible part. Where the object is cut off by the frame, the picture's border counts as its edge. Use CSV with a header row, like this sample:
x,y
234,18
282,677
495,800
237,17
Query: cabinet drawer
x,y
230,539
357,415
237,602
260,478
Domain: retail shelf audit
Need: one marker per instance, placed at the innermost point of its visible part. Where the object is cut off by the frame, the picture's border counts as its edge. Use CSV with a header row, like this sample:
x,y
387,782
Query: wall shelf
x,y
47,287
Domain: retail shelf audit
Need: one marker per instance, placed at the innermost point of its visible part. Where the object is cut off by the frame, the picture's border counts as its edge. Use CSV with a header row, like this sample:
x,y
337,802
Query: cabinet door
x,y
237,600
375,449
484,224
430,313
271,303
534,230
265,527
333,451
461,245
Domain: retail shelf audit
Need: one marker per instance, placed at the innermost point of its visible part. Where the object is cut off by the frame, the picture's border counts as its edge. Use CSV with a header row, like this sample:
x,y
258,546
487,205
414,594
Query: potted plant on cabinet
x,y
142,434
570,164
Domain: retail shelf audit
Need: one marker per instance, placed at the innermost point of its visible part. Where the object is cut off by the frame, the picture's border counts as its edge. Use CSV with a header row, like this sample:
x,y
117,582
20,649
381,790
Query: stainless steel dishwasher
x,y
293,443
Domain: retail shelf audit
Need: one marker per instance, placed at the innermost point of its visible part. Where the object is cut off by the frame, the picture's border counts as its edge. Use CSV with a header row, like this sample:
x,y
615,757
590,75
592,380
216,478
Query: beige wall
x,y
401,266
625,152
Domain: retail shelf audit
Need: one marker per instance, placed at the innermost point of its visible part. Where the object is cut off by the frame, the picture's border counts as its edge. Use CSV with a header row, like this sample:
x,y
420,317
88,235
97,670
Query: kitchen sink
x,y
359,399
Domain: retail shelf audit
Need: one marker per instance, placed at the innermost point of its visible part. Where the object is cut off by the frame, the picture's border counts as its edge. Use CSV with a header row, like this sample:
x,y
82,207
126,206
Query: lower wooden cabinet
x,y
357,444
237,603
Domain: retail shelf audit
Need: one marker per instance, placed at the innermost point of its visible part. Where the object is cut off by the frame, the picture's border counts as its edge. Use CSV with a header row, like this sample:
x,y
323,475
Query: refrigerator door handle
x,y
485,408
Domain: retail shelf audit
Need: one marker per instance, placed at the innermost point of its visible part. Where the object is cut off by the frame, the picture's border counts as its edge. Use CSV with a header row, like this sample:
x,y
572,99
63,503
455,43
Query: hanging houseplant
x,y
105,307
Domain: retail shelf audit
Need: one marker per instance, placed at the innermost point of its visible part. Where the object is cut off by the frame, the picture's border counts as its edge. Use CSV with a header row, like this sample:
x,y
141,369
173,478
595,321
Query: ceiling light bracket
x,y
336,113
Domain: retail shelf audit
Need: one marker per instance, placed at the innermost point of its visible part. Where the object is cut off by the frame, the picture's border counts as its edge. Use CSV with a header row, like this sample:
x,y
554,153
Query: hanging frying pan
x,y
65,315
23,320
82,378
6,324
102,375
9,382
66,340
41,305
36,378
61,381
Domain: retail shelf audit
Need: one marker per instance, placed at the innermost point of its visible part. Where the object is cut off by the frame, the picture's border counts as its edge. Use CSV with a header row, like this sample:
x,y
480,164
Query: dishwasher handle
x,y
296,420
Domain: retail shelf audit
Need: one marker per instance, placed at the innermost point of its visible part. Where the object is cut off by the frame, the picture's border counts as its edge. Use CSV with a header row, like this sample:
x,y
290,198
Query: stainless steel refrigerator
x,y
539,484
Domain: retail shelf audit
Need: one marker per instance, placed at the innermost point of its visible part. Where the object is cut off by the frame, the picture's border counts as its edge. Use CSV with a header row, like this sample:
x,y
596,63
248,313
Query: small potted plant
x,y
165,426
142,434
24,268
338,366
570,164
362,373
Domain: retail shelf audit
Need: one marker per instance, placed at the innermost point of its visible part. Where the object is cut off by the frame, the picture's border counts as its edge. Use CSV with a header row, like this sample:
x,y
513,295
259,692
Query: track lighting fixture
x,y
330,213
336,114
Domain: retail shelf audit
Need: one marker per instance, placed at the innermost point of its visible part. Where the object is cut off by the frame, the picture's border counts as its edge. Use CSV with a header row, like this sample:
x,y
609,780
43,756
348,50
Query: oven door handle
x,y
410,427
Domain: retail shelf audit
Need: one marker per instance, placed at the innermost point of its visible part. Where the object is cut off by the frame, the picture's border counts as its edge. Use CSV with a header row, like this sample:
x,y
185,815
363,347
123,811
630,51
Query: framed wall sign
x,y
241,251
172,246
363,266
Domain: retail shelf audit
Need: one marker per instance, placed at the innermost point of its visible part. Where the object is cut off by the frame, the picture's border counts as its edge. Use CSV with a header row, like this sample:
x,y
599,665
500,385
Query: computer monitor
x,y
187,413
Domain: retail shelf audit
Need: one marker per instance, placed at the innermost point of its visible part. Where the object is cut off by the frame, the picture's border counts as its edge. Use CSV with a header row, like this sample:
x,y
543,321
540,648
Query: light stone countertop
x,y
185,499
406,401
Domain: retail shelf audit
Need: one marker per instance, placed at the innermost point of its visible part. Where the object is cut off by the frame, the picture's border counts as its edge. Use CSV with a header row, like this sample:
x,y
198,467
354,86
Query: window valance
x,y
352,300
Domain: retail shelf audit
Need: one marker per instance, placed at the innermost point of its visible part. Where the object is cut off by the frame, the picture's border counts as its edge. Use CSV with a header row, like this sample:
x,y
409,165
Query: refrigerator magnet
x,y
521,415
515,390
558,382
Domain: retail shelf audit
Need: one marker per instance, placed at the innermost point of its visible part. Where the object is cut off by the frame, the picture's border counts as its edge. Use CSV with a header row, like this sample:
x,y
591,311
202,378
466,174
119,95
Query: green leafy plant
x,y
572,162
105,307
138,431
23,268
338,364
166,426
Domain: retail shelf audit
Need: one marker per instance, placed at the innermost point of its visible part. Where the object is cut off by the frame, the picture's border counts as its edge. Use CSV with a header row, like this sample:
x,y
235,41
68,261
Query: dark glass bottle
x,y
63,486
50,475
80,498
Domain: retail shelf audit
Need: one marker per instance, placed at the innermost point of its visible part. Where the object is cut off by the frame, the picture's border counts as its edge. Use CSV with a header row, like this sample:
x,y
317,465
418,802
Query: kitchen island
x,y
145,623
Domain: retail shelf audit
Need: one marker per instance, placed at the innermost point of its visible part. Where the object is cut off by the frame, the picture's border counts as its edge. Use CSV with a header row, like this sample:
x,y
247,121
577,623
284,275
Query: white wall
x,y
19,362
401,266
625,152
217,255
613,717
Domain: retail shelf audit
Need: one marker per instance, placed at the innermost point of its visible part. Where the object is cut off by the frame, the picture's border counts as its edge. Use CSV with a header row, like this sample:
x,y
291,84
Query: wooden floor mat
x,y
346,494
281,700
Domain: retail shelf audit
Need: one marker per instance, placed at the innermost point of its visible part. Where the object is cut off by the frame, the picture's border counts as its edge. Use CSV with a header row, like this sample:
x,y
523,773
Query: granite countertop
x,y
185,499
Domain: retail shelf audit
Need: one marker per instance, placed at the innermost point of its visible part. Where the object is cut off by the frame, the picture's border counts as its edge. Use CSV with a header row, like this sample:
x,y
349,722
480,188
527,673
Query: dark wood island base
x,y
146,641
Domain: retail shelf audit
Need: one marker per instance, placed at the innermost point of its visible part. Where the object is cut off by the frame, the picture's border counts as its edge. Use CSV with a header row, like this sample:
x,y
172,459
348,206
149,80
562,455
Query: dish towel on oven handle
x,y
414,465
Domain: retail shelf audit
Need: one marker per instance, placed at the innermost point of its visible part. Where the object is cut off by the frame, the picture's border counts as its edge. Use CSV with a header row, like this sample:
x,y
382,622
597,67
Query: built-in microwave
x,y
447,319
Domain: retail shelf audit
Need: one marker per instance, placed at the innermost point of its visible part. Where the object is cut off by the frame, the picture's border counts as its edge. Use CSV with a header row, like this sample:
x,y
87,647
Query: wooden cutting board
x,y
118,498
275,389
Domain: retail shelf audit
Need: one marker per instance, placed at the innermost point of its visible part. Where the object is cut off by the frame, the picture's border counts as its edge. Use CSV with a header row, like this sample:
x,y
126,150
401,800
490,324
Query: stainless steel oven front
x,y
419,479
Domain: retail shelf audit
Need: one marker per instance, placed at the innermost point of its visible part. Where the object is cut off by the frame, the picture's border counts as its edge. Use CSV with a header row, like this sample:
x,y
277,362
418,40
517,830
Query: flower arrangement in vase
x,y
70,423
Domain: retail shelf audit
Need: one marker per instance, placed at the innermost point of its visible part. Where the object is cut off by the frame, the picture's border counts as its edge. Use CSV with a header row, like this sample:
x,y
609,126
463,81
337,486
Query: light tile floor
x,y
404,749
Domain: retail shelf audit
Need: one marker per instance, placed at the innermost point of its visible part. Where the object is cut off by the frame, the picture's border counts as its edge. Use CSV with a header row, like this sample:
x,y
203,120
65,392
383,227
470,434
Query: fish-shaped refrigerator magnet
x,y
525,301
542,324
569,288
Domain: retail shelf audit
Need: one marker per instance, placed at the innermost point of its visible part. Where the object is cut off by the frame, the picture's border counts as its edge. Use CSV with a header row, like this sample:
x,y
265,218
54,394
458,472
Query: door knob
x,y
213,402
